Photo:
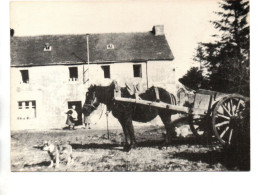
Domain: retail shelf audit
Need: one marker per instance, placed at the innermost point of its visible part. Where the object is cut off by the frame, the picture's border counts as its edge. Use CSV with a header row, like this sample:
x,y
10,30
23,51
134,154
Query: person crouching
x,y
72,117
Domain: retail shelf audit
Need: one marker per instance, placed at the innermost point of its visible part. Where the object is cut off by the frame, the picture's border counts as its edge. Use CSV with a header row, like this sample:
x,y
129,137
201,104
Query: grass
x,y
92,151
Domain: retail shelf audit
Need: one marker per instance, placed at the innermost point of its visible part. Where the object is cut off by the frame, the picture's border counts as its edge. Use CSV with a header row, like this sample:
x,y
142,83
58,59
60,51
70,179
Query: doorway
x,y
78,109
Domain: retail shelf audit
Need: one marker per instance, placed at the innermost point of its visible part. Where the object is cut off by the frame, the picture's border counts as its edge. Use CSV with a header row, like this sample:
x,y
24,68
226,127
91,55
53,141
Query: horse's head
x,y
91,101
99,94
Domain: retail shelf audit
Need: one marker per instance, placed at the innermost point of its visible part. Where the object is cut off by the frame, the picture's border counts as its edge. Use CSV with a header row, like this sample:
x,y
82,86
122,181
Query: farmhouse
x,y
51,73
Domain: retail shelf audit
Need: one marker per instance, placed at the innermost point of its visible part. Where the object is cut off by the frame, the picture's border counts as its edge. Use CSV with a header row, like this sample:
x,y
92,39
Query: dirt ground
x,y
93,151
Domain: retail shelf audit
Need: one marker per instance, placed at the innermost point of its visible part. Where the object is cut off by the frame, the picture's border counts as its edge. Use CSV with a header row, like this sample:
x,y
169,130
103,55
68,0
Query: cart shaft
x,y
171,107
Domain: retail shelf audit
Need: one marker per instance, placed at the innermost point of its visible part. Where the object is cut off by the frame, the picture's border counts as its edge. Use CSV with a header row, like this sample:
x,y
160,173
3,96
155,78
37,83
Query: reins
x,y
92,104
100,115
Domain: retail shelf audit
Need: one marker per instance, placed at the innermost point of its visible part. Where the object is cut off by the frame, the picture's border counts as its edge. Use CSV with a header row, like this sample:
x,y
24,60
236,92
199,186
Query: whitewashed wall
x,y
121,72
50,87
161,74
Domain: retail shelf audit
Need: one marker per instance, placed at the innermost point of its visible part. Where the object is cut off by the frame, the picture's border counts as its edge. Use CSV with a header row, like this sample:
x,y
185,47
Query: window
x,y
25,76
27,105
33,104
20,105
26,110
137,70
73,73
47,47
106,70
110,46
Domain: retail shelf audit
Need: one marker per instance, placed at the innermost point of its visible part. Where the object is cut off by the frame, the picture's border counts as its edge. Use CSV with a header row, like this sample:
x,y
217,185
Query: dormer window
x,y
110,46
47,47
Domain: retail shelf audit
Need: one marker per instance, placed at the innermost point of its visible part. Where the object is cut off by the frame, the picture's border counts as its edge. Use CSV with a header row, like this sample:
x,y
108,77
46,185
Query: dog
x,y
58,152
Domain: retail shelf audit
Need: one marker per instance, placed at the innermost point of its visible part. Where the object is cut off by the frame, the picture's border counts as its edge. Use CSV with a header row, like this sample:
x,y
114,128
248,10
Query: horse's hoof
x,y
134,146
163,147
127,148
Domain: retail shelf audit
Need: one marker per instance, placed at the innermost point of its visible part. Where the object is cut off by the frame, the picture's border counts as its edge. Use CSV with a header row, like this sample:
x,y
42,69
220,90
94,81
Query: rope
x,y
100,114
107,125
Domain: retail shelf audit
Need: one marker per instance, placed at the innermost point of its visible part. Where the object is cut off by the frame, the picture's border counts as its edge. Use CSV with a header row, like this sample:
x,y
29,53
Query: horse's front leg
x,y
126,133
127,124
130,128
170,128
128,119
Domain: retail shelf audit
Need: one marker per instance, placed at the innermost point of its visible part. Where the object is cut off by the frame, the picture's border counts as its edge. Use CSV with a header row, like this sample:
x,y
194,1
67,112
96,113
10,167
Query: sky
x,y
186,22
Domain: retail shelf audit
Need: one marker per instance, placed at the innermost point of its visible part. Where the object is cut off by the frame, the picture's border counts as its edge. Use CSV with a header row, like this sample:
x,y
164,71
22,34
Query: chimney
x,y
158,30
11,32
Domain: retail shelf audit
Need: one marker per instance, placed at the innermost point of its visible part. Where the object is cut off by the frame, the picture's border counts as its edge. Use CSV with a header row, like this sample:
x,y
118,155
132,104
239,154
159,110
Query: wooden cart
x,y
208,112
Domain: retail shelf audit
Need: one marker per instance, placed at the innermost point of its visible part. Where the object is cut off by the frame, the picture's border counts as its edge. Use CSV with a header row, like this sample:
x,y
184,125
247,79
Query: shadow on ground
x,y
41,164
232,161
96,146
147,143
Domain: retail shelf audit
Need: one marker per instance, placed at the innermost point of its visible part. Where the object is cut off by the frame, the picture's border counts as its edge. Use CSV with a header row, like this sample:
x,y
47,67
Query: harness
x,y
92,104
157,94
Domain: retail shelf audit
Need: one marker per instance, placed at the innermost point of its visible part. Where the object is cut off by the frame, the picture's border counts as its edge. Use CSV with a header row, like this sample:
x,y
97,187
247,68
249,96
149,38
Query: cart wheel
x,y
198,125
227,116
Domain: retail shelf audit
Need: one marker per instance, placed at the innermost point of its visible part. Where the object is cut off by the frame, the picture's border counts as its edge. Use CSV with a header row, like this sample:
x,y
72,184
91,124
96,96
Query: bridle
x,y
93,101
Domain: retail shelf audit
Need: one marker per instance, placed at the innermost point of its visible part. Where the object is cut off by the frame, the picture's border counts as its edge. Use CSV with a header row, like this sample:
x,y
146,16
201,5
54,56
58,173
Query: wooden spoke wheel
x,y
199,125
227,117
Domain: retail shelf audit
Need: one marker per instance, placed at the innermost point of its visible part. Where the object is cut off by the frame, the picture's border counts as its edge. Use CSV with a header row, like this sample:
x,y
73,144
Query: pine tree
x,y
194,79
227,59
199,55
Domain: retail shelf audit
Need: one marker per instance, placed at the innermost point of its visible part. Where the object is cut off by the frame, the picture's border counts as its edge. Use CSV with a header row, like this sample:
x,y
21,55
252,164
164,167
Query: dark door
x,y
78,109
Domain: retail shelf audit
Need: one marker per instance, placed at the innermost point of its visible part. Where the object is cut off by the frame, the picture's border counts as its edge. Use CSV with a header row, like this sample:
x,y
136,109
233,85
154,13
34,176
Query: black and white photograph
x,y
130,86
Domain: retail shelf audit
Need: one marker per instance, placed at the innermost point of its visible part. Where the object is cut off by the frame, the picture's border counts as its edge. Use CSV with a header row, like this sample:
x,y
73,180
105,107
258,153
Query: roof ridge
x,y
53,35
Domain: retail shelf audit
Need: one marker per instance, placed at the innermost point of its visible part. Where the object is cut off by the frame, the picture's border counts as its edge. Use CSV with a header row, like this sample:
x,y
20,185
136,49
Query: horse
x,y
126,112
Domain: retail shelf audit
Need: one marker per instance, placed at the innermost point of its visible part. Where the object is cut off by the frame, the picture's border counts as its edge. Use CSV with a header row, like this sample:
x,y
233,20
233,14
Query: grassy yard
x,y
93,151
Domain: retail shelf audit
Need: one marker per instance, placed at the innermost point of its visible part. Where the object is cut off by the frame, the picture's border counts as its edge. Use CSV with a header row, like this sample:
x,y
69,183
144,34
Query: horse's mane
x,y
104,93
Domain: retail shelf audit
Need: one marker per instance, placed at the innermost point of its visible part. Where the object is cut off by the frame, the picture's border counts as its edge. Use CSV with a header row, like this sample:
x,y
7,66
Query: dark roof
x,y
72,49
